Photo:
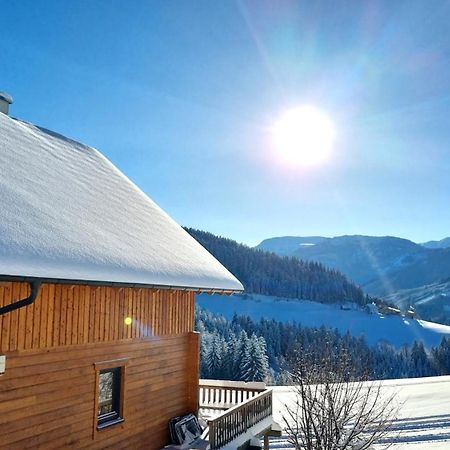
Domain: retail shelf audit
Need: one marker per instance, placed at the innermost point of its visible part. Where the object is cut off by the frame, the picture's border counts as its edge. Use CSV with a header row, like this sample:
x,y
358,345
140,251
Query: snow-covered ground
x,y
375,327
424,416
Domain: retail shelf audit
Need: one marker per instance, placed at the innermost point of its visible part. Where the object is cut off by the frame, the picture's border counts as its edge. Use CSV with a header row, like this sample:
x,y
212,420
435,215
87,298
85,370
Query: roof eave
x,y
199,290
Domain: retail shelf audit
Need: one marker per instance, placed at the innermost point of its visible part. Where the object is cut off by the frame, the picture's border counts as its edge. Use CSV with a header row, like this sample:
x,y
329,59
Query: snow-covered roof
x,y
67,213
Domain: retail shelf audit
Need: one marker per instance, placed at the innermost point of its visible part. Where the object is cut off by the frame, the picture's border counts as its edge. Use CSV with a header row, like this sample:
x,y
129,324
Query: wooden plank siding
x,y
47,398
66,314
47,394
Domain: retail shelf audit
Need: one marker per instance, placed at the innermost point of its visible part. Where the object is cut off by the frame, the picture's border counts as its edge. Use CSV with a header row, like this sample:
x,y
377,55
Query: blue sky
x,y
181,95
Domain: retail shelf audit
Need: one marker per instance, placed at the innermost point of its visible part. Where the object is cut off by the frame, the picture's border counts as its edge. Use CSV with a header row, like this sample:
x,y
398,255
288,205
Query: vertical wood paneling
x,y
175,312
63,315
129,310
86,292
101,314
104,332
81,311
92,314
107,325
122,314
110,312
50,314
183,313
44,317
146,299
69,309
133,314
14,318
57,314
158,314
22,325
6,318
76,314
171,323
153,311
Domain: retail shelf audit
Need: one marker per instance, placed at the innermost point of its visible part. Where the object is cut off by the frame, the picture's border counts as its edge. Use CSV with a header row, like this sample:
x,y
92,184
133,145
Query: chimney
x,y
5,101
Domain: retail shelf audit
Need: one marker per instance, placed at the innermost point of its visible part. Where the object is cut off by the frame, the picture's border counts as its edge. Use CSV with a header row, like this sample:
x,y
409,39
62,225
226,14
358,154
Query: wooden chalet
x,y
97,286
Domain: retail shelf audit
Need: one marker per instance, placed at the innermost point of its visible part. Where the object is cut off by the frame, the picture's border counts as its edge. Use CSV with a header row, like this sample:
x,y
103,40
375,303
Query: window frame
x,y
118,368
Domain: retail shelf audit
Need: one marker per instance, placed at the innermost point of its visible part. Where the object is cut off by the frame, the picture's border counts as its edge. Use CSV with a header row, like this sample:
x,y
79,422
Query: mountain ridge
x,y
443,243
381,265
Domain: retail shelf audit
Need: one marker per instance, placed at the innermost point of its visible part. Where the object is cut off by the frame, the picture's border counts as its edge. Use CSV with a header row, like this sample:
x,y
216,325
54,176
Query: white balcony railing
x,y
232,408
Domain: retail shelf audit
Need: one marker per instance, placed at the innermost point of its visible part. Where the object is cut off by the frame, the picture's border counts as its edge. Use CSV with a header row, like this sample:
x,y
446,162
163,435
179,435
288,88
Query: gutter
x,y
34,291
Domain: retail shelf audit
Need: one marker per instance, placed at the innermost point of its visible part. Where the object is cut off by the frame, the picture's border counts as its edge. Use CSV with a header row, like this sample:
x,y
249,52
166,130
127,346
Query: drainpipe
x,y
34,291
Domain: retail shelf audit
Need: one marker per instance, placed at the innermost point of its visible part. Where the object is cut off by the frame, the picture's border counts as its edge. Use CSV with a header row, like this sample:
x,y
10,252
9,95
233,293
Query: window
x,y
110,376
109,396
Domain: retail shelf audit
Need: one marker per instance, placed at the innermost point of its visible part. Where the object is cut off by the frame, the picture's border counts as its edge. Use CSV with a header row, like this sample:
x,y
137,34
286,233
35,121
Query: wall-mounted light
x,y
128,321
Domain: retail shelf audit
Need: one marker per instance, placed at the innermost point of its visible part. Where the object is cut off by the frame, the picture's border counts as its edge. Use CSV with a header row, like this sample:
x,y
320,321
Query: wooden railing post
x,y
193,374
212,435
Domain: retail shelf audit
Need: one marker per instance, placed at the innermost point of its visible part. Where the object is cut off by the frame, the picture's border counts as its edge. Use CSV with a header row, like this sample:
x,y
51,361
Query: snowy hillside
x,y
375,327
424,418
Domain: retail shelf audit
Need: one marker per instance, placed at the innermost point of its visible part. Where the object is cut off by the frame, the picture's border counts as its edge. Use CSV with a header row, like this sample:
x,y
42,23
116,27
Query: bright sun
x,y
304,136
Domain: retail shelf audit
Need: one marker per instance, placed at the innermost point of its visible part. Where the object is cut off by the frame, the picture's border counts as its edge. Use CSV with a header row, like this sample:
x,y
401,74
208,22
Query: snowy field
x,y
375,327
424,418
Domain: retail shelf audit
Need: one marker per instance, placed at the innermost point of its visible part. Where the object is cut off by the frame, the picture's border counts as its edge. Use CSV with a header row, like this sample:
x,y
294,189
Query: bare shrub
x,y
336,407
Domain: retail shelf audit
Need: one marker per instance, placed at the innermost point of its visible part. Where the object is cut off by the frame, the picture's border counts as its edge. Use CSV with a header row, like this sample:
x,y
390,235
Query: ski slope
x,y
396,330
423,422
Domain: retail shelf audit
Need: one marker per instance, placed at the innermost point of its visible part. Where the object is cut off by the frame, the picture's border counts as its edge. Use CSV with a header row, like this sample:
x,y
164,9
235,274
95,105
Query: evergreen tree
x,y
420,363
228,358
441,357
256,365
214,358
241,356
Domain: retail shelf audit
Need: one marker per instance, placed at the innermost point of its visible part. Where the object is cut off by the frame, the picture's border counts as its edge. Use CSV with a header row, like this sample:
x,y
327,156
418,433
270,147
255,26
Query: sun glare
x,y
304,136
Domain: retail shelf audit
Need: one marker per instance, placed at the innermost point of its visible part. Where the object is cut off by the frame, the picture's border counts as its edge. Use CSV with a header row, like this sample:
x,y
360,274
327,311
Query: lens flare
x,y
304,136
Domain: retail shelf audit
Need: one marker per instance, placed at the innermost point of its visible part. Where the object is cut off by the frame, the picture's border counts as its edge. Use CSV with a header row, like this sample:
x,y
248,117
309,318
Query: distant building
x,y
411,313
372,308
388,310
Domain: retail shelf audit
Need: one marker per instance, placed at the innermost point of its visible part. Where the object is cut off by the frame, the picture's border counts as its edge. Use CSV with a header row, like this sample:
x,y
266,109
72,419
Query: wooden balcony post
x,y
193,374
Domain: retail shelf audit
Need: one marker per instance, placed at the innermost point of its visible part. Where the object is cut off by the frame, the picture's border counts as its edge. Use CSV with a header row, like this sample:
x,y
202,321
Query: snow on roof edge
x,y
185,263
